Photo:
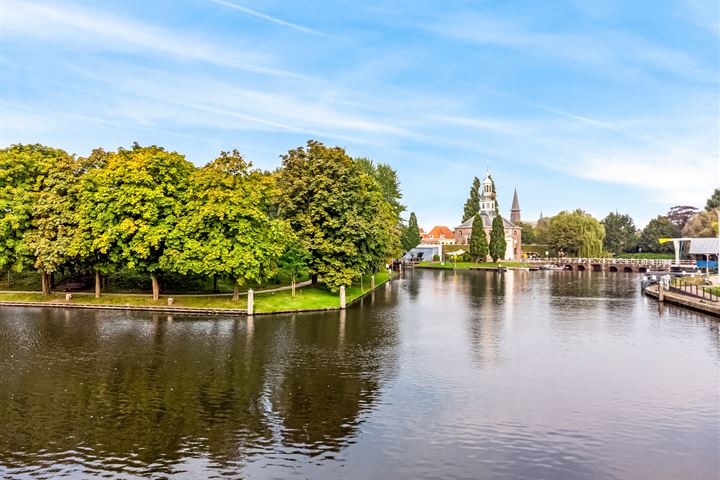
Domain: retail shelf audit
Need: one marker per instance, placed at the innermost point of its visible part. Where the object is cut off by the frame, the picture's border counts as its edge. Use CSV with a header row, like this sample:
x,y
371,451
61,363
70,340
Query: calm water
x,y
553,375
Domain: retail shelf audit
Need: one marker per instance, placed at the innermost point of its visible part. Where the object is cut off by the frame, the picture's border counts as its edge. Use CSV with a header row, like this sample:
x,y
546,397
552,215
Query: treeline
x,y
322,213
577,233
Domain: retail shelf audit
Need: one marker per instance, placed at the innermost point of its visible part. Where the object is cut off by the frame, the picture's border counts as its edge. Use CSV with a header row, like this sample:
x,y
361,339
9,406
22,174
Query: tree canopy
x,y
714,200
576,233
338,213
411,237
702,224
659,227
620,233
680,214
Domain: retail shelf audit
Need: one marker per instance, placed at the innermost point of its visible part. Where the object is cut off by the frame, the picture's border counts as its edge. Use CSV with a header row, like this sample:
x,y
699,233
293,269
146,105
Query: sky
x,y
604,105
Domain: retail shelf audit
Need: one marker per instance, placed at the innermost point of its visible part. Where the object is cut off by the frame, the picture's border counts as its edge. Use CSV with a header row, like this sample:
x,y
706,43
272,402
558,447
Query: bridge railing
x,y
645,262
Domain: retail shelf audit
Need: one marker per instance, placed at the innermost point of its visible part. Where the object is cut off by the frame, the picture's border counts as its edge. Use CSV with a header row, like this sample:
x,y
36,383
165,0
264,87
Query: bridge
x,y
628,265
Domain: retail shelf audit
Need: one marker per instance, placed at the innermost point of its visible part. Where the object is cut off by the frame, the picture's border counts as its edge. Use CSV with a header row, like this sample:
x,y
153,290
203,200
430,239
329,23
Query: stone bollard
x,y
68,297
251,302
342,296
170,301
372,282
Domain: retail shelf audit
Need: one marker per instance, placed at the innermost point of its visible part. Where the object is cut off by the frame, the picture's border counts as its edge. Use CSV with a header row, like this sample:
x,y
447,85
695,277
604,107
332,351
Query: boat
x,y
684,271
550,266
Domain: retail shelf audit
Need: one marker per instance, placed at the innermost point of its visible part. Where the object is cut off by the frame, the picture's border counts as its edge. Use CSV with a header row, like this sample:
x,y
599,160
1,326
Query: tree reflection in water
x,y
140,393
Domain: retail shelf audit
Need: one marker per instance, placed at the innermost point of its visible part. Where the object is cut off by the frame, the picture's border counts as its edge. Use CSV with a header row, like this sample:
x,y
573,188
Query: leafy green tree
x,y
36,222
129,207
337,212
620,233
223,226
714,200
387,179
659,227
528,234
472,205
576,233
702,224
497,239
478,240
411,234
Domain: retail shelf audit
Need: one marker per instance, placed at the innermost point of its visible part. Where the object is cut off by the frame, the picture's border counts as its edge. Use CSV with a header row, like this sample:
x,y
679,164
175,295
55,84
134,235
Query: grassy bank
x,y
306,298
465,265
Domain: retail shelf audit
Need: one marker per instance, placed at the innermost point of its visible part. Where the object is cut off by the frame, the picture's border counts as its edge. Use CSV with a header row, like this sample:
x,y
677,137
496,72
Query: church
x,y
513,249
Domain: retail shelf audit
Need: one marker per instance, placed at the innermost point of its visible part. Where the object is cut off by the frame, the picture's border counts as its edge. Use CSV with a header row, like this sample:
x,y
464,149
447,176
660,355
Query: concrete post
x,y
661,296
372,282
342,296
251,302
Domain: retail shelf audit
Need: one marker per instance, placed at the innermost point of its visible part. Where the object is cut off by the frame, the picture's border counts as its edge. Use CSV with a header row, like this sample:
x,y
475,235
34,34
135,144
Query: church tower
x,y
487,195
515,209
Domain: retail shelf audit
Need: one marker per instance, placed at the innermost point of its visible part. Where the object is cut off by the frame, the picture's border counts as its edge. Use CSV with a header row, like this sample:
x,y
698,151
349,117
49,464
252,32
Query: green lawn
x,y
306,298
450,265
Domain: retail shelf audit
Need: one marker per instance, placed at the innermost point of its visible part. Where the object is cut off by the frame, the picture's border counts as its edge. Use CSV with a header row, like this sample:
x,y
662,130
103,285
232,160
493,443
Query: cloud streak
x,y
269,18
98,31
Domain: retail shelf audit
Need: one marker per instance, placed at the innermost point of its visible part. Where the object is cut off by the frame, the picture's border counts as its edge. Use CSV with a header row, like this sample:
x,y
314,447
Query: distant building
x,y
439,235
513,250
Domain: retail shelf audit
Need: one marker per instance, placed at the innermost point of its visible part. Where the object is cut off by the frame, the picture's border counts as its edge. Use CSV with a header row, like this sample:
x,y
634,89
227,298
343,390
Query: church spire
x,y
515,209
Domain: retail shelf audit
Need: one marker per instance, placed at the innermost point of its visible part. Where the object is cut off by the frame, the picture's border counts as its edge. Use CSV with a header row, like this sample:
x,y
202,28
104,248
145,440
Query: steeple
x,y
487,195
515,209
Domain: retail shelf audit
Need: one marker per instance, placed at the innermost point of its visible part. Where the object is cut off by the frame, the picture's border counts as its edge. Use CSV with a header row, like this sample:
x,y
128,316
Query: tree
x,y
620,233
478,240
337,212
680,214
659,227
528,234
576,233
387,179
294,262
472,205
497,238
36,223
411,234
702,224
129,207
223,226
714,200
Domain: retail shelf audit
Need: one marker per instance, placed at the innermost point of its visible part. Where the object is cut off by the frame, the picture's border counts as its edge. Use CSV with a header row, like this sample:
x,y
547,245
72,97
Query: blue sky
x,y
600,105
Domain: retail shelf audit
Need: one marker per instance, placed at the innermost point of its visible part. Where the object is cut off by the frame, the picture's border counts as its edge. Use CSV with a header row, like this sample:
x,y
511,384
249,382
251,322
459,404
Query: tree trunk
x,y
292,284
314,279
45,282
215,287
97,284
155,287
236,291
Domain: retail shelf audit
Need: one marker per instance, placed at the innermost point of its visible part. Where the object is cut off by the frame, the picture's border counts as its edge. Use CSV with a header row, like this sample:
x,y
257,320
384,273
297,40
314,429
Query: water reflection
x,y
436,375
140,394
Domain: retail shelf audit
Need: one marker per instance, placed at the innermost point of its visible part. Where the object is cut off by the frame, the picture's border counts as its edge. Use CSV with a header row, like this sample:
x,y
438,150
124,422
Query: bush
x,y
436,258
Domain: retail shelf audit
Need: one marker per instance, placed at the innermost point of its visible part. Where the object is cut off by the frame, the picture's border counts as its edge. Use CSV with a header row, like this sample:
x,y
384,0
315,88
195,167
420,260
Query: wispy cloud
x,y
99,31
269,18
614,53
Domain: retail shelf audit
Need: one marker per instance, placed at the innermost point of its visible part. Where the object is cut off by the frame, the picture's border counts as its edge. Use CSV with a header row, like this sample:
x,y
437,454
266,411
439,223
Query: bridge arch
x,y
628,270
568,267
596,267
613,268
581,268
642,269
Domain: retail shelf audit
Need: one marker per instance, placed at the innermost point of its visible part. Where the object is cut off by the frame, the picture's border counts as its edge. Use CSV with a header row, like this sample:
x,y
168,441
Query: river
x,y
523,375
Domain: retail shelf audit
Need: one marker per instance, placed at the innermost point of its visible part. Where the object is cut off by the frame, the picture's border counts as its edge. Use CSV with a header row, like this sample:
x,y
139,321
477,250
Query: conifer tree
x,y
478,240
472,206
497,239
411,236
